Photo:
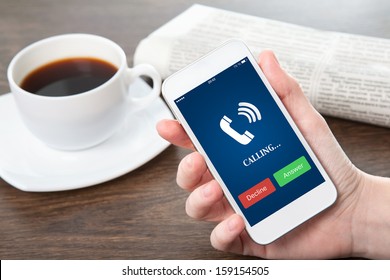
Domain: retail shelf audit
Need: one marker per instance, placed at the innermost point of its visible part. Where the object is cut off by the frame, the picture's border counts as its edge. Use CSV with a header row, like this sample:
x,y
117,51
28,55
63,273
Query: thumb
x,y
288,90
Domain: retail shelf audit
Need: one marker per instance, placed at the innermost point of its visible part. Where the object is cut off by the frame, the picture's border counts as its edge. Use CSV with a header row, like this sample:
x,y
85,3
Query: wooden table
x,y
141,215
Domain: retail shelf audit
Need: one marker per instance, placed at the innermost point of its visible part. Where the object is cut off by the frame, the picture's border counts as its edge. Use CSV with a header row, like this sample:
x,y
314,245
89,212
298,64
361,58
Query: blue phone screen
x,y
249,141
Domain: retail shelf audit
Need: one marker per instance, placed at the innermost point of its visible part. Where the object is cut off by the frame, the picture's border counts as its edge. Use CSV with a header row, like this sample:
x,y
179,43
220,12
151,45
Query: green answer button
x,y
292,171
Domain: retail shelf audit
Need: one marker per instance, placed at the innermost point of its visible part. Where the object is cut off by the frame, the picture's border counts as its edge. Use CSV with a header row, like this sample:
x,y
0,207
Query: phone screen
x,y
249,141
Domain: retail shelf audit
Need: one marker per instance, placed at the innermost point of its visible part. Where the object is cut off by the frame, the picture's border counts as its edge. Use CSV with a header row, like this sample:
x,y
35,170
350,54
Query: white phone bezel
x,y
291,215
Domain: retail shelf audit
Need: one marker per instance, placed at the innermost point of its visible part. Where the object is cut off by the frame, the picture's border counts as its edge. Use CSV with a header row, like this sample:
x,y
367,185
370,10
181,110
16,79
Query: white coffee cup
x,y
86,119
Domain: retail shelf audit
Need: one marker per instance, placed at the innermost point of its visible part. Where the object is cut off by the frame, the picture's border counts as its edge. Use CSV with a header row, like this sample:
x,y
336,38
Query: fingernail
x,y
189,161
207,190
232,224
275,58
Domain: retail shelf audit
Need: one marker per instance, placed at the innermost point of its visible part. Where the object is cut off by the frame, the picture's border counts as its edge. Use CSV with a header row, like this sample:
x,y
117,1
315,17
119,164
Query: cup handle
x,y
139,103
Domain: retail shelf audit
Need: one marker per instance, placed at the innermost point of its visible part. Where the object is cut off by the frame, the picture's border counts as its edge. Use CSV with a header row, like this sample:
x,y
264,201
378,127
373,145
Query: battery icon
x,y
243,61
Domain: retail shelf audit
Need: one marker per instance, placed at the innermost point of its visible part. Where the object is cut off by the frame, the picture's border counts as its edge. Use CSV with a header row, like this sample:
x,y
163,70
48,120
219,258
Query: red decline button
x,y
256,193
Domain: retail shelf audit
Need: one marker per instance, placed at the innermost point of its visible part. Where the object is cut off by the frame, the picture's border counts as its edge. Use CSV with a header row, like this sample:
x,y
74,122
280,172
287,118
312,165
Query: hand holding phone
x,y
308,120
269,174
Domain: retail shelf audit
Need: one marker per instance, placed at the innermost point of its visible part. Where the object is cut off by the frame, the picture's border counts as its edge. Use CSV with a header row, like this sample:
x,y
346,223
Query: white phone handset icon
x,y
243,139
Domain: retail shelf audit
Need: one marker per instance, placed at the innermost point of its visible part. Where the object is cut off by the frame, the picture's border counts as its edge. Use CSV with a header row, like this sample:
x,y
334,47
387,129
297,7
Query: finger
x,y
208,203
226,235
173,132
192,172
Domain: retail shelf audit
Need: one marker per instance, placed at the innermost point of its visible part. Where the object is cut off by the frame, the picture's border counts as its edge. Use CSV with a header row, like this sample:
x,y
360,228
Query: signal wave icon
x,y
250,111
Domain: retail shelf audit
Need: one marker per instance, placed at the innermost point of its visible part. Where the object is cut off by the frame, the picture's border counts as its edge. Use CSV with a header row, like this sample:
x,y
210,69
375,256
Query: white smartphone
x,y
252,147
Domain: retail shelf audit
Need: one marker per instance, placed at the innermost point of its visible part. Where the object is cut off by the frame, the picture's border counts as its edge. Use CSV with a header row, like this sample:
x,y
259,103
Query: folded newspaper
x,y
344,75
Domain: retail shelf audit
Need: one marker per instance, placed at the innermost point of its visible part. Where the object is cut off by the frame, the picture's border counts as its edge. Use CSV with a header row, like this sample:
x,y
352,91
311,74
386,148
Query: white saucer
x,y
30,165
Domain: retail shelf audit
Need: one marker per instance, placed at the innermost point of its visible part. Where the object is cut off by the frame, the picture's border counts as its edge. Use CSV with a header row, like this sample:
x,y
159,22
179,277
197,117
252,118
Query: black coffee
x,y
68,76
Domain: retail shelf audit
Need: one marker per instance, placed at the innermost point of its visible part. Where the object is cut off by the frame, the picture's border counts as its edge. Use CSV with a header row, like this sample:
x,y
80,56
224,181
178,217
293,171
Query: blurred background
x,y
128,21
